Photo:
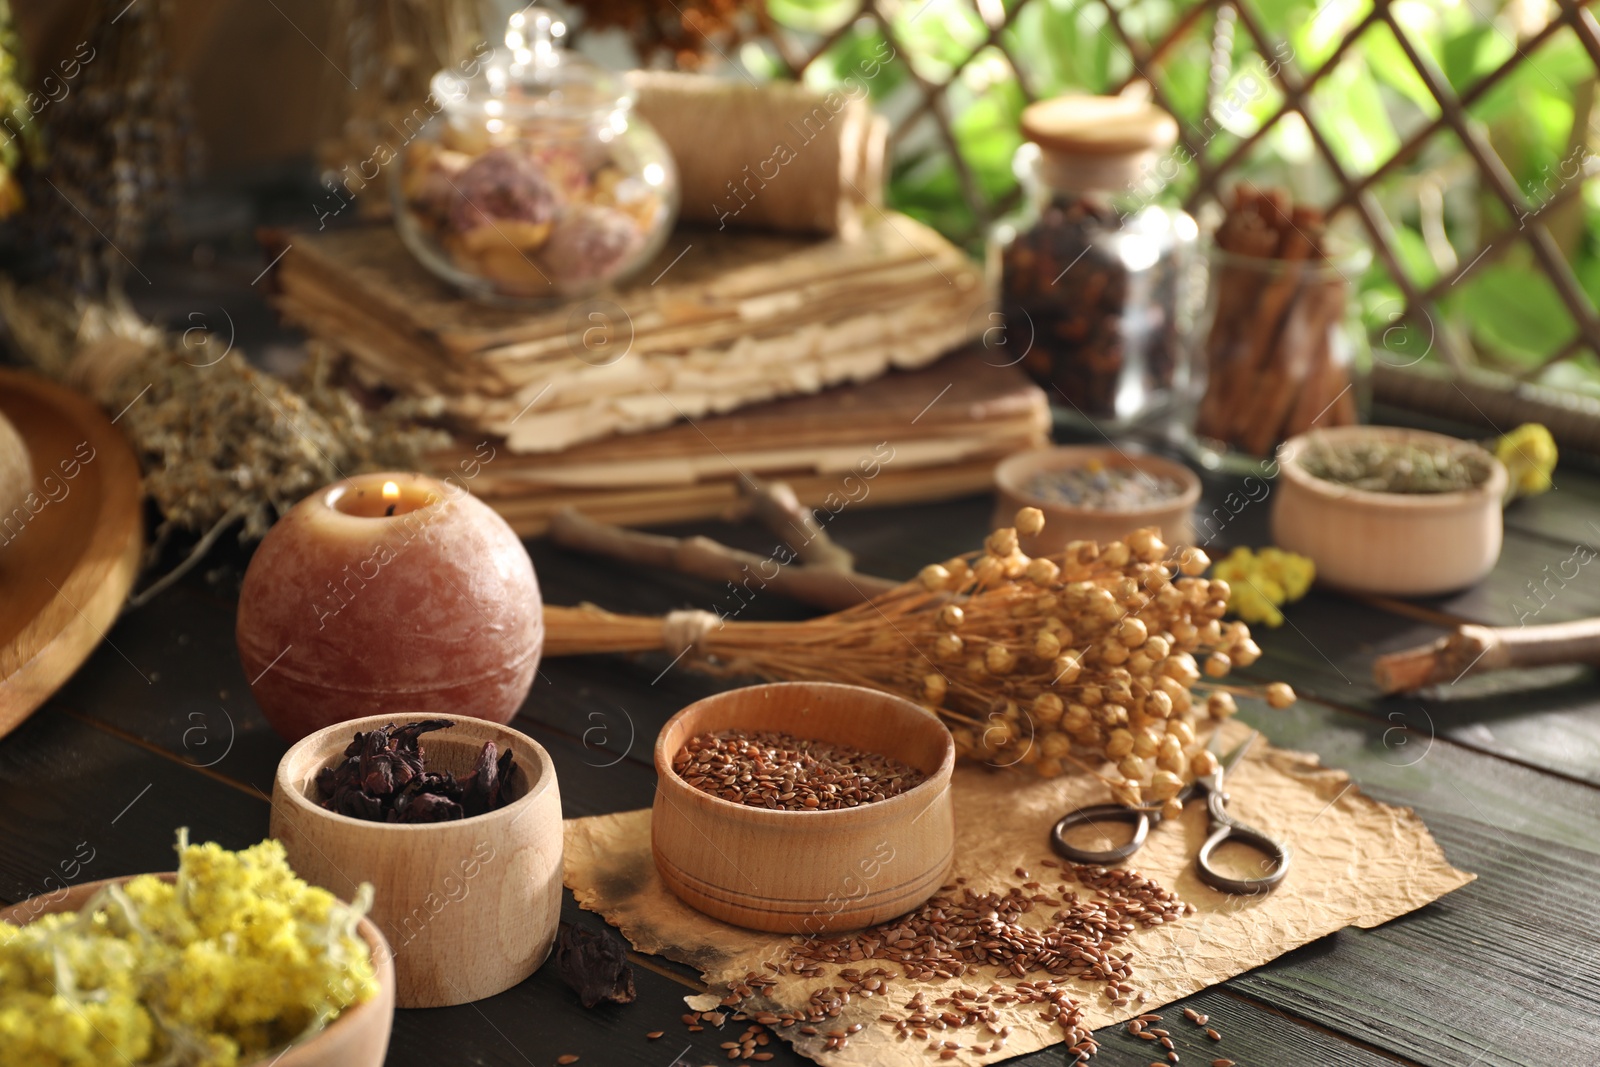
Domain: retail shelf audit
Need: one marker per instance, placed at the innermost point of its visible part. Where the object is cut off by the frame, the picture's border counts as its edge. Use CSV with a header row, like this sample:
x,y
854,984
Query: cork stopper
x,y
1077,124
1096,142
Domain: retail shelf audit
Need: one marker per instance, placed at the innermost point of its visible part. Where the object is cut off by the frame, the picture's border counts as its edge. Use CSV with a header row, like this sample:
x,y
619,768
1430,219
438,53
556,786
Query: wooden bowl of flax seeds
x,y
803,807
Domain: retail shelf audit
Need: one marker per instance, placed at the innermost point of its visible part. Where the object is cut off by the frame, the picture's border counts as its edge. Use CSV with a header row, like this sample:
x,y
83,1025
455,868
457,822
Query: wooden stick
x,y
1475,649
780,510
820,586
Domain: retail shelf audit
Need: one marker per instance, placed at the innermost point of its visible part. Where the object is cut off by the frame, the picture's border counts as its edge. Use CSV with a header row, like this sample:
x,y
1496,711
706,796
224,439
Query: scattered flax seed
x,y
961,933
652,1035
1222,1063
566,1059
1201,1020
1213,1035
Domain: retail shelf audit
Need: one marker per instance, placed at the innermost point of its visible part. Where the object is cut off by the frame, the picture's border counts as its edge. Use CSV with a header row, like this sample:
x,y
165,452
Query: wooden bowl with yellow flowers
x,y
222,1004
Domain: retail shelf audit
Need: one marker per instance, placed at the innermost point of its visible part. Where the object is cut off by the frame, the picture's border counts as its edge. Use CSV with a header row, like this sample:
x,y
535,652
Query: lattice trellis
x,y
1215,24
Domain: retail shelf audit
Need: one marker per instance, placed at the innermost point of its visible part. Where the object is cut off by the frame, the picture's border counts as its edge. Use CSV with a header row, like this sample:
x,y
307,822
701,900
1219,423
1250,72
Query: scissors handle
x,y
1093,815
1225,828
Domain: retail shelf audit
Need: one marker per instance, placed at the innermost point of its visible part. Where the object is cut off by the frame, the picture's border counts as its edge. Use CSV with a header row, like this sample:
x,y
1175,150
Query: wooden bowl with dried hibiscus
x,y
457,826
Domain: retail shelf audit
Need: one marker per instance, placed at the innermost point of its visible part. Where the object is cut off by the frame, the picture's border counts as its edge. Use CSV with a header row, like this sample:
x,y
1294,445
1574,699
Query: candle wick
x,y
389,512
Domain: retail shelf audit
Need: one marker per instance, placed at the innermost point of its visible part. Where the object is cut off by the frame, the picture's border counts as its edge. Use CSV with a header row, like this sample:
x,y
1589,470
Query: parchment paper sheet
x,y
1356,862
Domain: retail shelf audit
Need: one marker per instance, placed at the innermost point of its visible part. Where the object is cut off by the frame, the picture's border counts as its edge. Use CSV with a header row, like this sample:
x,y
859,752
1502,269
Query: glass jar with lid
x,y
1099,281
533,181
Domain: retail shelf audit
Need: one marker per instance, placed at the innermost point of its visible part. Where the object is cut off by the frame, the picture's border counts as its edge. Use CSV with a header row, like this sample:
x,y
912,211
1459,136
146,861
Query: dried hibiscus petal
x,y
595,965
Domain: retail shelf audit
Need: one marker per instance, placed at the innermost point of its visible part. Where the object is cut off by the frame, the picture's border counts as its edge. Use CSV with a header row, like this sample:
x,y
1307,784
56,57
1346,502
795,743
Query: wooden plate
x,y
69,556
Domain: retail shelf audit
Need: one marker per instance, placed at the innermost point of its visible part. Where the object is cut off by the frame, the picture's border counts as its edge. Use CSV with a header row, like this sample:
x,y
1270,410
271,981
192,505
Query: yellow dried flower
x,y
235,960
1257,583
1529,453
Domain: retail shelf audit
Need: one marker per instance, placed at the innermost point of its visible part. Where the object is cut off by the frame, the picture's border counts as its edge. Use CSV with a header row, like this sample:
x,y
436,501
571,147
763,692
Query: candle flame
x,y
391,491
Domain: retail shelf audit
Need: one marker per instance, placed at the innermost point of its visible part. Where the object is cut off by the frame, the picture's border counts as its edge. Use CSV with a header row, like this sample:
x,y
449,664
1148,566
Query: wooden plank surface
x,y
1500,972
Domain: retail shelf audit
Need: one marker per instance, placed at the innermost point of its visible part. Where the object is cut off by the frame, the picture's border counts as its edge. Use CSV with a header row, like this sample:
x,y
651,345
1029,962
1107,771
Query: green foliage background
x,y
1538,119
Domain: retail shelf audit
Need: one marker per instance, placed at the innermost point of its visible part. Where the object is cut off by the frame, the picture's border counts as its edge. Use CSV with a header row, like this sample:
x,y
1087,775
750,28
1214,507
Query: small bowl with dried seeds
x,y
1390,511
1094,493
803,807
456,823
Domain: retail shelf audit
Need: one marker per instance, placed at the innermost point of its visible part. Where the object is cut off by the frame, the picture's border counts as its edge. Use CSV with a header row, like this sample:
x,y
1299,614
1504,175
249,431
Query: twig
x,y
775,504
1476,649
196,554
819,586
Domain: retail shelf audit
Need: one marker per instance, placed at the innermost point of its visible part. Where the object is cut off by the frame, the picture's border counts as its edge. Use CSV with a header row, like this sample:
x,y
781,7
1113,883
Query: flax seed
x,y
652,1035
768,769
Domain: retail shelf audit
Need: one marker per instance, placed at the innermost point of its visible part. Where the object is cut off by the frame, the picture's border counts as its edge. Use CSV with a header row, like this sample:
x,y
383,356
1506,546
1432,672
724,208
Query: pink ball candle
x,y
389,594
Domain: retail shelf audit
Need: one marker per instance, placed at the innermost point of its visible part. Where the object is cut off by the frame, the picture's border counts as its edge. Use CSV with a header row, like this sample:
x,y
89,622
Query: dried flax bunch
x,y
1102,654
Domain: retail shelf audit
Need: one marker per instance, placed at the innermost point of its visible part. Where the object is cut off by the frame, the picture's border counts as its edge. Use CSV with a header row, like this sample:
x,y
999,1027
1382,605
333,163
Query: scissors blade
x,y
1235,754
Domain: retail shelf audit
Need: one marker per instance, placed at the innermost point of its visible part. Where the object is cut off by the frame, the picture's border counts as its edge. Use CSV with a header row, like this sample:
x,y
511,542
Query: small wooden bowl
x,y
359,1037
470,906
1064,522
807,872
1393,544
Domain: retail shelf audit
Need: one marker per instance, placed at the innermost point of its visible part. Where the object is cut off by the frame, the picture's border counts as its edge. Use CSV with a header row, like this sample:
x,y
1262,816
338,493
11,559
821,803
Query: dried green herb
x,y
220,442
595,965
1383,466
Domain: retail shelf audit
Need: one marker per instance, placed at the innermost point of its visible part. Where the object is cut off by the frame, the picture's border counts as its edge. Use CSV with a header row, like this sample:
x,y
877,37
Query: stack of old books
x,y
647,405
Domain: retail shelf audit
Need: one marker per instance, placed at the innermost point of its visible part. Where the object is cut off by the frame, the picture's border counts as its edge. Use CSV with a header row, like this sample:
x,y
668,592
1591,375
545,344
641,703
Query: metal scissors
x,y
1223,828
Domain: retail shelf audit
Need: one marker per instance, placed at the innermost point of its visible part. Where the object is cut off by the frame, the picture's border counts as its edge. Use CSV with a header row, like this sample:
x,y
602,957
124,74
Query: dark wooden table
x,y
158,730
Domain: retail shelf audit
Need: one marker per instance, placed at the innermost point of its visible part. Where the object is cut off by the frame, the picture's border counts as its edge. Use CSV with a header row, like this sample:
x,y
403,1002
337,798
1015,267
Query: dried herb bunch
x,y
1101,654
384,777
219,441
121,147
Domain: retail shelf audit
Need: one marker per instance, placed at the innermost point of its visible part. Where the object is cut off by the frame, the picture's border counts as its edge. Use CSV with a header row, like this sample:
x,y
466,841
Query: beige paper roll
x,y
775,156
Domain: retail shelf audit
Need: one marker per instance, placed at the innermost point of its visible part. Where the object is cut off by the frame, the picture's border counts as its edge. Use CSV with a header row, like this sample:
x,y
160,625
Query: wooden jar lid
x,y
1079,124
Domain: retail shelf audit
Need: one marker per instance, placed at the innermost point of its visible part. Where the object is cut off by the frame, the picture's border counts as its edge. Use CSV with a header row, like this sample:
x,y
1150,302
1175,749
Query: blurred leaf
x,y
1350,112
813,16
929,191
1552,70
1467,56
1386,59
1414,256
1514,310
861,56
987,131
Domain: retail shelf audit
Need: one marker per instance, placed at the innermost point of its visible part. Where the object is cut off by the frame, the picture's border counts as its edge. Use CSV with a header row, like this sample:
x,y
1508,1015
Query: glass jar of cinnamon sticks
x,y
1097,279
1283,348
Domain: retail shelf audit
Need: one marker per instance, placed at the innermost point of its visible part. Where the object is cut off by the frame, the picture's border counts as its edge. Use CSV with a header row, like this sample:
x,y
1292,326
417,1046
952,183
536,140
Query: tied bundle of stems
x,y
1276,359
1091,657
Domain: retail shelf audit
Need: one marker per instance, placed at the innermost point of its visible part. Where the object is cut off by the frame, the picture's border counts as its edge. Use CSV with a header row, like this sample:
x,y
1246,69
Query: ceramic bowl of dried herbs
x,y
803,807
456,823
1094,493
1390,511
